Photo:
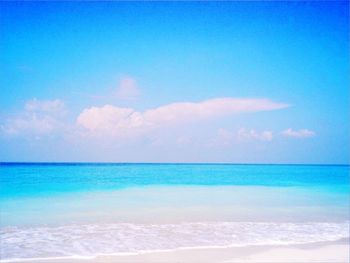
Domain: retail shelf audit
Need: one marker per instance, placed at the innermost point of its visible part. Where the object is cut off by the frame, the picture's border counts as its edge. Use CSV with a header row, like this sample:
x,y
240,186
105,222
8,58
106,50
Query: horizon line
x,y
163,163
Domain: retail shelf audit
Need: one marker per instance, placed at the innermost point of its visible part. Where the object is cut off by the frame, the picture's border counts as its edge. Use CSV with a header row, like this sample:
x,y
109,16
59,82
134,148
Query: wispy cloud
x,y
39,117
121,121
302,133
225,138
245,134
128,88
55,107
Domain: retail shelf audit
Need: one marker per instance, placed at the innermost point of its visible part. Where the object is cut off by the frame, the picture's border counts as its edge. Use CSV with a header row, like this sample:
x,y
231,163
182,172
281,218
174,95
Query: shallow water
x,y
48,179
97,239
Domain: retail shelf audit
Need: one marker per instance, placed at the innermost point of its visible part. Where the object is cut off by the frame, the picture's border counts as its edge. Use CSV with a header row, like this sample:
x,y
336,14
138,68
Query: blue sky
x,y
246,82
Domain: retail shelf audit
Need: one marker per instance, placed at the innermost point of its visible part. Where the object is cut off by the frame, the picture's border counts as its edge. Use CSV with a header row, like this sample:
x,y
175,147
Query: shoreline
x,y
328,251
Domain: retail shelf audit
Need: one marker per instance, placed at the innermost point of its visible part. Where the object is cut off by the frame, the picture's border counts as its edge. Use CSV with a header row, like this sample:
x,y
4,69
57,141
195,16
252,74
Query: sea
x,y
84,210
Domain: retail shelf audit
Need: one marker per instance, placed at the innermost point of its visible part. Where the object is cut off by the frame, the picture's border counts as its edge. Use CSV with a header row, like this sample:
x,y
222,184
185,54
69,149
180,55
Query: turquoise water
x,y
85,210
47,179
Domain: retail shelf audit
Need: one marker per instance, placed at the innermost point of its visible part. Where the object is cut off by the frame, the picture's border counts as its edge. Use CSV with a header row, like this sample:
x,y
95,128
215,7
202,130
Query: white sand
x,y
331,252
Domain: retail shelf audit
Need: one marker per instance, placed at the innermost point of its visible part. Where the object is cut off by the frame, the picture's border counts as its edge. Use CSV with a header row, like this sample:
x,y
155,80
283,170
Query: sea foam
x,y
91,240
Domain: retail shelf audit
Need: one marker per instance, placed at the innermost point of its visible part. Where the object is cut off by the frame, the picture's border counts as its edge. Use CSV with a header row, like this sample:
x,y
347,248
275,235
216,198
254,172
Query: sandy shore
x,y
332,252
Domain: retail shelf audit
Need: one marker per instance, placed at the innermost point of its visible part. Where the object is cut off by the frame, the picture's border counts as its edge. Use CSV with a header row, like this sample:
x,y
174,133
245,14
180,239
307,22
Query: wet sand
x,y
332,252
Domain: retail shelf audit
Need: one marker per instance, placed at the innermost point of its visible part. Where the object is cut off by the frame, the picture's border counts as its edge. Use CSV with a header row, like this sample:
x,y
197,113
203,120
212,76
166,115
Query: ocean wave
x,y
91,240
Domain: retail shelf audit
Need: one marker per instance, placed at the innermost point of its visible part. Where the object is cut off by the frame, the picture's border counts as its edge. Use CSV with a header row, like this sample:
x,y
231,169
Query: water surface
x,y
85,210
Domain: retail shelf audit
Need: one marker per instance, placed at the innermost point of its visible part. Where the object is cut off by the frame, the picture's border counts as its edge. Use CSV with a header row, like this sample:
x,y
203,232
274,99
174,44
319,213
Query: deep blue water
x,y
38,179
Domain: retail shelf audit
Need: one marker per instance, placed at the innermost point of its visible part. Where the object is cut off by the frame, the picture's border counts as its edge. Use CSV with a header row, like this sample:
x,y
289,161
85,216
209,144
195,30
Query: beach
x,y
174,131
331,252
174,213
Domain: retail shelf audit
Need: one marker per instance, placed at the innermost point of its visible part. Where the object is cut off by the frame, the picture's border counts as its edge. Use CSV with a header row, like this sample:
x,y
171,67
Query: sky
x,y
233,82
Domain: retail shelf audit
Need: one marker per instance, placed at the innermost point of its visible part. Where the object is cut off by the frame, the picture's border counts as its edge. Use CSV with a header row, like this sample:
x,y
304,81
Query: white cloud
x,y
30,124
121,121
128,88
55,107
302,133
226,138
110,119
188,111
37,118
244,134
45,117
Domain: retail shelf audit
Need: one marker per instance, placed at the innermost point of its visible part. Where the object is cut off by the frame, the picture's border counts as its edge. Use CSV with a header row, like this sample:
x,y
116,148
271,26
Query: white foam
x,y
89,241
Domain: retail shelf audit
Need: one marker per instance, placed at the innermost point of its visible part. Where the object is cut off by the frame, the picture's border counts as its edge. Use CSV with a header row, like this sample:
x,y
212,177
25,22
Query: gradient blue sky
x,y
289,61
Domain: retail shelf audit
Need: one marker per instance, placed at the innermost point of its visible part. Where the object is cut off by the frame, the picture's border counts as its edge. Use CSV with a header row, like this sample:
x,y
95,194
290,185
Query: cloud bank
x,y
122,121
